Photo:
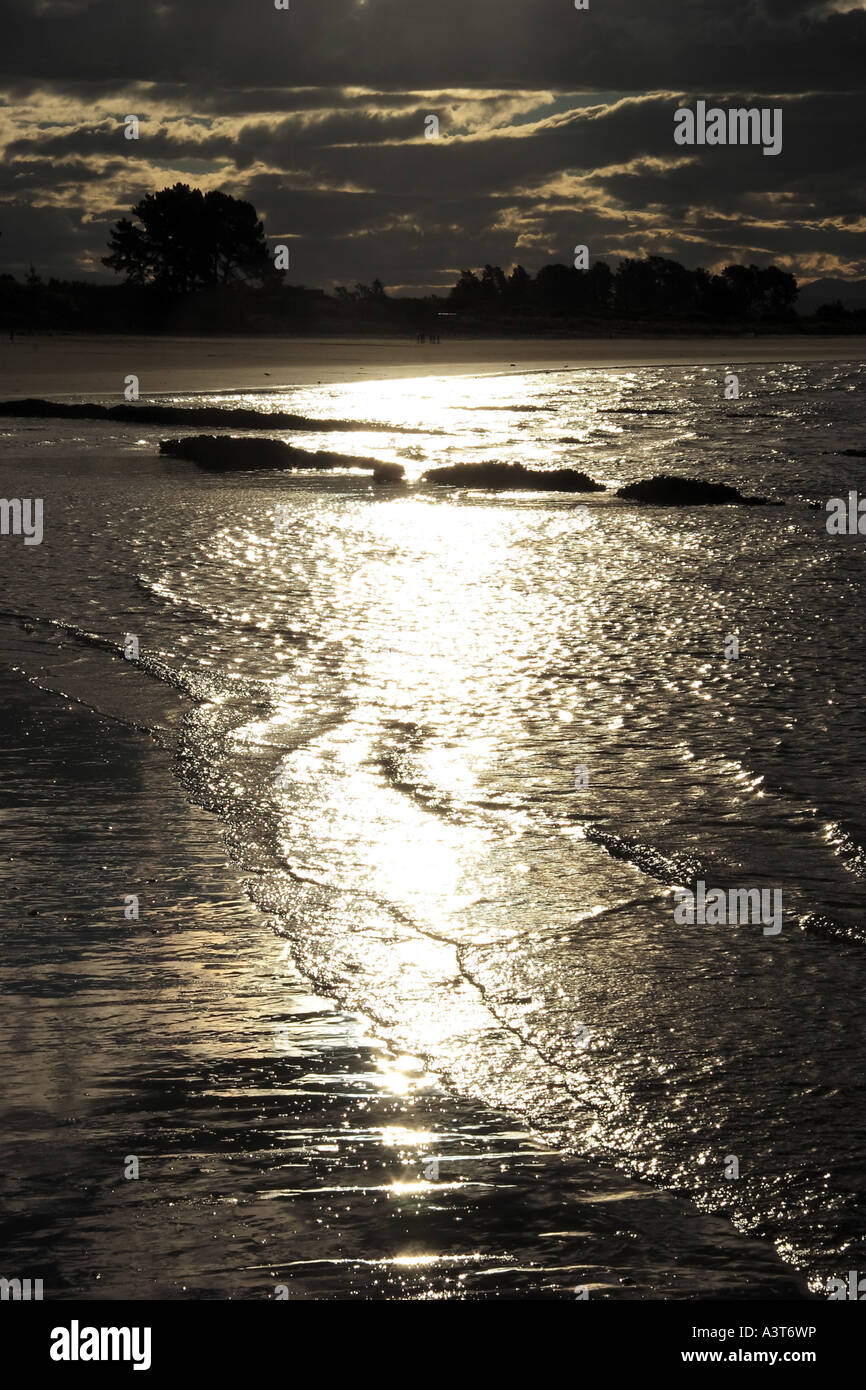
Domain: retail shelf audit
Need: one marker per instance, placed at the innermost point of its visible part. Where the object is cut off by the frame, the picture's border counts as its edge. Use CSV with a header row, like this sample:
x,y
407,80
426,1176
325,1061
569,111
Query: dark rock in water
x,y
388,473
667,490
228,454
215,415
513,476
225,453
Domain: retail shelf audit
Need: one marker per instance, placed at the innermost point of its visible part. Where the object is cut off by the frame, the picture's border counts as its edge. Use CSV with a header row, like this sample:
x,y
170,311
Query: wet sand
x,y
59,365
279,1144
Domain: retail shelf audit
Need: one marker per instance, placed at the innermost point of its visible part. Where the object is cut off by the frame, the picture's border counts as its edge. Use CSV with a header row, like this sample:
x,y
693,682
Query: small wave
x,y
108,682
683,869
639,410
817,924
184,606
847,849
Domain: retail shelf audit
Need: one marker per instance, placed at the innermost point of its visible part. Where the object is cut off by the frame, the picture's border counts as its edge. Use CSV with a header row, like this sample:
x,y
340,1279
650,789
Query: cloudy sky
x,y
556,128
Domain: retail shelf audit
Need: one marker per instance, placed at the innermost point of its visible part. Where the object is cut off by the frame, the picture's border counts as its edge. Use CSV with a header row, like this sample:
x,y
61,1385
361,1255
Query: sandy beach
x,y
60,365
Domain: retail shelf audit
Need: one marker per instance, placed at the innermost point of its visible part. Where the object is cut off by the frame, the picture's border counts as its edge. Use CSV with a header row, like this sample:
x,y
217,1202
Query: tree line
x,y
201,262
653,287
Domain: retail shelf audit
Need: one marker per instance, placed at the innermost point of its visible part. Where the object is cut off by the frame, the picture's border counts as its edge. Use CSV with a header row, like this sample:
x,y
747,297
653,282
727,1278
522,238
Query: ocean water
x,y
465,746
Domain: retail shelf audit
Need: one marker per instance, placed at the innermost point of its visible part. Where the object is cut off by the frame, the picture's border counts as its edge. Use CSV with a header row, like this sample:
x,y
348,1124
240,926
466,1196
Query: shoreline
x,y
74,366
280,1144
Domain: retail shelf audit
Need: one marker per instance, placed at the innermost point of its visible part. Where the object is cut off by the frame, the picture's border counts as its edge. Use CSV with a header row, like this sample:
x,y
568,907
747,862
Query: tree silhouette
x,y
649,288
188,240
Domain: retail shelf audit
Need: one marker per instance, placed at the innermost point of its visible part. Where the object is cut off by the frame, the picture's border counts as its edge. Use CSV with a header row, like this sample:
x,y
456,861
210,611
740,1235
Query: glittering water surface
x,y
393,691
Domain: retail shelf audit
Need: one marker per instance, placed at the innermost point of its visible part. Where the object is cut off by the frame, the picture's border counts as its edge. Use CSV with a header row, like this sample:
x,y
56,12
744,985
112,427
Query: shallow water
x,y
385,696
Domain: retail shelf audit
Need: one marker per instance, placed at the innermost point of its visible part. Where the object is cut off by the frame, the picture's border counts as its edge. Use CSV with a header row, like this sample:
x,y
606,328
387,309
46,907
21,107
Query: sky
x,y
555,129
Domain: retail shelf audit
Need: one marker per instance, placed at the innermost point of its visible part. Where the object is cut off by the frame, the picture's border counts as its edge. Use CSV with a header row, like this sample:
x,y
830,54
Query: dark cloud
x,y
616,44
317,114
